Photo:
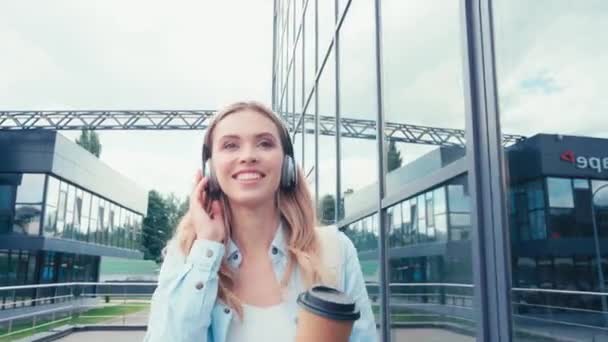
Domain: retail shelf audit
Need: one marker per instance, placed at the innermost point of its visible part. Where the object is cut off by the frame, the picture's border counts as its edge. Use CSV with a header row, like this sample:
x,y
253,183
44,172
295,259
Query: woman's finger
x,y
200,192
195,196
216,209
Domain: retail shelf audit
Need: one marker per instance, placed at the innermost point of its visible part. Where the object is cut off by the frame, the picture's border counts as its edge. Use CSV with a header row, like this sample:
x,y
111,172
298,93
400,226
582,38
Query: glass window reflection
x,y
560,192
31,188
533,44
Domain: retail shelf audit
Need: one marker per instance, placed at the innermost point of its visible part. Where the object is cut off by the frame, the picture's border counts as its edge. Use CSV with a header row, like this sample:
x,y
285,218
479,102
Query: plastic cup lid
x,y
330,303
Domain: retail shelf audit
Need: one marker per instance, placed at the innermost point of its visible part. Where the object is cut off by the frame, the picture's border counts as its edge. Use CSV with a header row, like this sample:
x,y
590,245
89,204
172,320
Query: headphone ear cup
x,y
288,174
213,186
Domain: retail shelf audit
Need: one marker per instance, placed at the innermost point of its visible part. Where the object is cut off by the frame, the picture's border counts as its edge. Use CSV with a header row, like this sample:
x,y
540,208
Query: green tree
x,y
393,157
175,209
95,144
89,140
164,213
83,140
156,226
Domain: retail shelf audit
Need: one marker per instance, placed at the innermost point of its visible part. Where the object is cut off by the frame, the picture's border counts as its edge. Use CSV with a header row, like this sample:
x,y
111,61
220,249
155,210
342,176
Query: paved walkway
x,y
105,336
429,335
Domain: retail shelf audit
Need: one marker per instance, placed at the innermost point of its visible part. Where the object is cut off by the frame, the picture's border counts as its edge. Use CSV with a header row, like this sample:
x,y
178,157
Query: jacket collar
x,y
278,246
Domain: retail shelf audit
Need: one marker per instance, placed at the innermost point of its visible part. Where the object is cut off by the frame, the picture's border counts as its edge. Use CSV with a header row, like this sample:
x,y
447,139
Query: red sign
x,y
568,156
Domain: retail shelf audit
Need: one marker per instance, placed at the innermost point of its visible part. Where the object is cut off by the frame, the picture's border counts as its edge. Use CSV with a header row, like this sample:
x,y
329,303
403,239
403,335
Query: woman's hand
x,y
207,219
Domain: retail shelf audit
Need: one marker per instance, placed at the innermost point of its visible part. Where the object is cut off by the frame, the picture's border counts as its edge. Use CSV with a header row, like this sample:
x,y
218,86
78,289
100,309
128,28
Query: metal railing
x,y
31,309
540,312
578,313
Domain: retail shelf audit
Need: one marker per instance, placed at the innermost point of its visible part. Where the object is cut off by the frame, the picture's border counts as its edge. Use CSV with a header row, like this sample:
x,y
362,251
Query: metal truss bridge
x,y
198,120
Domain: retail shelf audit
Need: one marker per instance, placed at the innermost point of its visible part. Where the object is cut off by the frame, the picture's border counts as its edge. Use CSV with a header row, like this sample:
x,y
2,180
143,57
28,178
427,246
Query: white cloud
x,y
561,48
202,54
137,55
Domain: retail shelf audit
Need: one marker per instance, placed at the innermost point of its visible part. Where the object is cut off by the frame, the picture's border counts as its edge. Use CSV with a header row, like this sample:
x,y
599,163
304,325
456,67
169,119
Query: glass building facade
x,y
45,205
462,147
61,210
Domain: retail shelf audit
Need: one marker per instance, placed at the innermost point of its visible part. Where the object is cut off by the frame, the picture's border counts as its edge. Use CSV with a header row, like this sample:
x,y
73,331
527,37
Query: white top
x,y
271,323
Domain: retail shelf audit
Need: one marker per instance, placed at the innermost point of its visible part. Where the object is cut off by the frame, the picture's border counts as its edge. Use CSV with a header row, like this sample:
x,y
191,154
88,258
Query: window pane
x,y
395,237
441,227
93,224
581,183
31,270
104,218
358,101
439,200
27,219
86,211
86,204
50,220
112,226
13,263
6,197
364,234
61,212
560,193
327,168
3,267
538,231
309,48
30,189
69,214
327,24
548,60
309,148
52,191
536,195
6,207
460,226
458,195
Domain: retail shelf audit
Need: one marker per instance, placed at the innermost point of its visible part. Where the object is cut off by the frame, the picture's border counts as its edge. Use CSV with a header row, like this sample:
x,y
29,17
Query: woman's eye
x,y
266,144
229,145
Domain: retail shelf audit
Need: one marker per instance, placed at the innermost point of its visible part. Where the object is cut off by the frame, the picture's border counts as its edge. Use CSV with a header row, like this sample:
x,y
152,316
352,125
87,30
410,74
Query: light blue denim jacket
x,y
185,306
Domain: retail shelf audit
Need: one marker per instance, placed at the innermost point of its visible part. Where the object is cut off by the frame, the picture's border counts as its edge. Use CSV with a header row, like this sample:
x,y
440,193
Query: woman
x,y
248,244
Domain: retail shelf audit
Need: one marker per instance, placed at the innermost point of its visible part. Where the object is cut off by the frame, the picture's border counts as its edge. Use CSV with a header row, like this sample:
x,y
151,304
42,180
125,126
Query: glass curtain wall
x,y
317,103
326,85
551,67
74,213
20,267
429,246
453,237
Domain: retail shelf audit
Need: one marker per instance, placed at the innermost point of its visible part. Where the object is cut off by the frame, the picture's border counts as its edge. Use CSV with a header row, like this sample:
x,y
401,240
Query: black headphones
x,y
288,169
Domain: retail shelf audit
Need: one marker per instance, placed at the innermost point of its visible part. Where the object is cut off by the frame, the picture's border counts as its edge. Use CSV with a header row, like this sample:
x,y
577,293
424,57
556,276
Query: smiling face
x,y
247,157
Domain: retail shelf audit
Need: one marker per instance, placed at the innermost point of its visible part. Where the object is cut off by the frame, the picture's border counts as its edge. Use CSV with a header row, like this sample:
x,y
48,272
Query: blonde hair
x,y
297,212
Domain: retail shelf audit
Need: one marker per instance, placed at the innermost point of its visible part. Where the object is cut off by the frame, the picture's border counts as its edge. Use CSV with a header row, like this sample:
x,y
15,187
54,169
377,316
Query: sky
x,y
137,55
201,54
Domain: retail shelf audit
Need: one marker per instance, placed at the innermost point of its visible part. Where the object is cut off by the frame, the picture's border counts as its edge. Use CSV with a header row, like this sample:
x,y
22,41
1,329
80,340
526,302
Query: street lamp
x,y
597,249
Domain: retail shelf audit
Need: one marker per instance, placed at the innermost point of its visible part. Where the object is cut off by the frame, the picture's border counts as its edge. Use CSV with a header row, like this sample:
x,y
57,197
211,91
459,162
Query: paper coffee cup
x,y
326,314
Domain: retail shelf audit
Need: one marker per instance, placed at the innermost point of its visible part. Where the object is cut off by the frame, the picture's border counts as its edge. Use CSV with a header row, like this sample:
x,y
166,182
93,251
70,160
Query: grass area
x,y
127,267
93,316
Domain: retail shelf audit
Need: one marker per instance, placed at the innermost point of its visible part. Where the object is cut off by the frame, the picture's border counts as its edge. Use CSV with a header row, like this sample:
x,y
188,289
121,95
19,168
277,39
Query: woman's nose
x,y
249,159
248,156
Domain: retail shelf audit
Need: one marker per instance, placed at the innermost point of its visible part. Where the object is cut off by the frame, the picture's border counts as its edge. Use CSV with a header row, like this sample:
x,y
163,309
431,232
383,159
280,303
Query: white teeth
x,y
248,176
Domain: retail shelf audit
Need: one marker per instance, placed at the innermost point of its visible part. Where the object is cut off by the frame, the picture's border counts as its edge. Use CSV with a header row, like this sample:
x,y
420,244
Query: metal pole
x,y
596,241
274,57
385,317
